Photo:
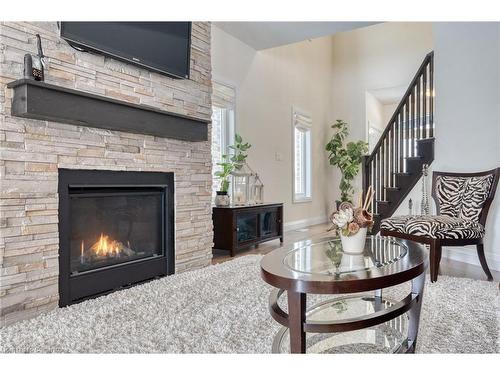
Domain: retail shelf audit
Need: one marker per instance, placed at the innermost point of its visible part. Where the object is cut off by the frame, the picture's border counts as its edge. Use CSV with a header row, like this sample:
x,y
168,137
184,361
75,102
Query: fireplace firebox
x,y
116,229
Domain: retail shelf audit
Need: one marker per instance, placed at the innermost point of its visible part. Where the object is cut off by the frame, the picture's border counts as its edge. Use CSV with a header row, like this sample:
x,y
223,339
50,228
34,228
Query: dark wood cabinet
x,y
239,227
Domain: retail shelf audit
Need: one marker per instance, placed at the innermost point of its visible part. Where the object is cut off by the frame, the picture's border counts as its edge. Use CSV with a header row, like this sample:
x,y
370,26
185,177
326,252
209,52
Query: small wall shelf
x,y
43,101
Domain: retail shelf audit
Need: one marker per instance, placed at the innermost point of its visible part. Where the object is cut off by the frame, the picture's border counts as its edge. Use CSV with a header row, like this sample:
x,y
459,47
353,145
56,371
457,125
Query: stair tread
x,y
383,201
403,173
392,188
414,157
430,139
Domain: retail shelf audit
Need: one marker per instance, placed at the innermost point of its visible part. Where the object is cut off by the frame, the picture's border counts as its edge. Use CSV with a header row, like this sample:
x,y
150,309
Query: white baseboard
x,y
469,255
299,224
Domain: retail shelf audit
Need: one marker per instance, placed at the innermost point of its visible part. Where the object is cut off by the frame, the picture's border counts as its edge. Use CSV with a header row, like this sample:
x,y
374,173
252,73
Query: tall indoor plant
x,y
347,157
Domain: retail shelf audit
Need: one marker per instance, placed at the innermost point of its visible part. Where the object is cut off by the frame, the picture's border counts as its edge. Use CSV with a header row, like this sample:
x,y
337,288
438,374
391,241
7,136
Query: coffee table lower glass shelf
x,y
388,337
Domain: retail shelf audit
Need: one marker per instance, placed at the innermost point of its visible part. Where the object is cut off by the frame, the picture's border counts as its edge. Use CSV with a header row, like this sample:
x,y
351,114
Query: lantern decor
x,y
241,185
257,190
247,187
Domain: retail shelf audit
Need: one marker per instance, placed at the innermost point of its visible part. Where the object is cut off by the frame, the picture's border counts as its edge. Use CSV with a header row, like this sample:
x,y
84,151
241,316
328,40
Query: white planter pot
x,y
354,244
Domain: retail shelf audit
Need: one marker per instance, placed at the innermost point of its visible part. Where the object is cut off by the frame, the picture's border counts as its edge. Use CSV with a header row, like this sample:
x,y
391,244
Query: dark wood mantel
x,y
43,101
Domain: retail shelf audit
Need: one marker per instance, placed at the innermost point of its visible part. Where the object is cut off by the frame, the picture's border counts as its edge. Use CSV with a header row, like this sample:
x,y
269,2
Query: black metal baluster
x,y
407,130
391,156
424,104
400,142
412,123
431,97
419,98
382,169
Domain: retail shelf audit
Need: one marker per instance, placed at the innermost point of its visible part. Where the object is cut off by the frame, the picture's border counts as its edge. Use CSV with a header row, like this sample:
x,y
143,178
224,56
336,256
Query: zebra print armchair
x,y
462,201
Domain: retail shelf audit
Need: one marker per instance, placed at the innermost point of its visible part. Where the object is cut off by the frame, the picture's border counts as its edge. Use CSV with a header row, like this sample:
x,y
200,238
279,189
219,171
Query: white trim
x,y
469,255
305,123
299,224
232,85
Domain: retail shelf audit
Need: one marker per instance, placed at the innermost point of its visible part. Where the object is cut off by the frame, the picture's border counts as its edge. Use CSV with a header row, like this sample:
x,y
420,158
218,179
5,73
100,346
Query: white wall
x,y
268,83
388,110
374,111
467,116
376,57
374,119
467,84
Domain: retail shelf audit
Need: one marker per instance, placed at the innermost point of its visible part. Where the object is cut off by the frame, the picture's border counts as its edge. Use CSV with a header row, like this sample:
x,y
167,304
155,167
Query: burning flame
x,y
106,246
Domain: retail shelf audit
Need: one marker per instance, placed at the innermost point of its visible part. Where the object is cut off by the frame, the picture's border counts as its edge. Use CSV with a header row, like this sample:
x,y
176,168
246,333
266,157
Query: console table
x,y
239,227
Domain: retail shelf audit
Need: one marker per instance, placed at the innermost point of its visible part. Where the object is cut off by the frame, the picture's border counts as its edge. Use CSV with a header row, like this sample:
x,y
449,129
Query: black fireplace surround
x,y
116,229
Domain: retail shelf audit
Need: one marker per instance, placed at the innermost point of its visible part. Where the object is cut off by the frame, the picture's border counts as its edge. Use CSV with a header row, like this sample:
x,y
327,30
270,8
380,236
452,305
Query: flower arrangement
x,y
348,220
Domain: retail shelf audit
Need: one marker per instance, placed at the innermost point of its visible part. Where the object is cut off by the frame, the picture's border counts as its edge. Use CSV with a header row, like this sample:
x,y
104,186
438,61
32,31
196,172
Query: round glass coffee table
x,y
361,322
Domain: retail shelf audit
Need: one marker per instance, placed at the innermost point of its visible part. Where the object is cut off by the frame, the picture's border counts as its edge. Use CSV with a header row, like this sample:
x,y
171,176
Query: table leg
x,y
296,318
417,287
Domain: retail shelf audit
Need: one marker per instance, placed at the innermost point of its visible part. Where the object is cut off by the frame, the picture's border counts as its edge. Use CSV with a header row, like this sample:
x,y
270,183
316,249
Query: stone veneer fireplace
x,y
33,153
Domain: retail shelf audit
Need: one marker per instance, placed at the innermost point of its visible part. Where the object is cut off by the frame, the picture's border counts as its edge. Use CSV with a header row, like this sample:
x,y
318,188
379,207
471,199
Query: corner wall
x,y
268,83
467,84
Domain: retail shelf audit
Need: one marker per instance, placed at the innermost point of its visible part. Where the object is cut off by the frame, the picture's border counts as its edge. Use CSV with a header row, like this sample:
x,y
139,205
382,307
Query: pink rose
x,y
353,228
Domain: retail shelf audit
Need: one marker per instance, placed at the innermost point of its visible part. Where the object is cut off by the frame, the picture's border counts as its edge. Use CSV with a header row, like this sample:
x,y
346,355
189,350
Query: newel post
x,y
365,173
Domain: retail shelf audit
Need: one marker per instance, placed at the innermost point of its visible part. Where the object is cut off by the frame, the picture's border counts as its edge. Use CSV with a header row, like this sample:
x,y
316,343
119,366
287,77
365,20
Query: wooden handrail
x,y
427,60
411,123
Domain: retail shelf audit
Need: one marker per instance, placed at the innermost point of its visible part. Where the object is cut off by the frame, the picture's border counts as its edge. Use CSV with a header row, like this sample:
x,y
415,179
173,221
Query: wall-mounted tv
x,y
163,47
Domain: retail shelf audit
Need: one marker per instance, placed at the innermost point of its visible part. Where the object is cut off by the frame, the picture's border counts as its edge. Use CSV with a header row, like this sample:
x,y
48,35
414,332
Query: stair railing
x,y
413,120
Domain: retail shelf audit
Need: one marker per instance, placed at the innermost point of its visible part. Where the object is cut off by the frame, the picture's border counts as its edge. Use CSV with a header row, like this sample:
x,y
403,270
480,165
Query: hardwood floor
x,y
447,266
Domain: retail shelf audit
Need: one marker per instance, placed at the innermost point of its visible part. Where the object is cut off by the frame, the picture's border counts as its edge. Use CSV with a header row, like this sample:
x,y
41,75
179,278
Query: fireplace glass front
x,y
112,226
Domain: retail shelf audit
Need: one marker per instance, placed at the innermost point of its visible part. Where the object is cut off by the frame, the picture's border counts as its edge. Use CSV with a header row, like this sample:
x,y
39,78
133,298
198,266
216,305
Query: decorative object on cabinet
x,y
234,167
241,185
239,227
257,190
222,199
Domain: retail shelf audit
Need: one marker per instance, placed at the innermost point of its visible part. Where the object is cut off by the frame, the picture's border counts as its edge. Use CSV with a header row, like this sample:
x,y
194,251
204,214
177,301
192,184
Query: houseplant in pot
x,y
352,223
222,198
347,157
229,164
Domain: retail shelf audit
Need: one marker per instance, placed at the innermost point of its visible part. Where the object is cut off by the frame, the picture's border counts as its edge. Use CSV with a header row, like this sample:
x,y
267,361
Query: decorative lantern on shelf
x,y
257,190
241,185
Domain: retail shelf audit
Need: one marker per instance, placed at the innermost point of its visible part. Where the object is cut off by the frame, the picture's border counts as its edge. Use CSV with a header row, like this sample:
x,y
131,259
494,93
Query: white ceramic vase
x,y
354,244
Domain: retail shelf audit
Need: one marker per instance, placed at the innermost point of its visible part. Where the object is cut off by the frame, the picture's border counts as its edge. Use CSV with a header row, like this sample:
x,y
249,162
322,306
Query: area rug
x,y
224,309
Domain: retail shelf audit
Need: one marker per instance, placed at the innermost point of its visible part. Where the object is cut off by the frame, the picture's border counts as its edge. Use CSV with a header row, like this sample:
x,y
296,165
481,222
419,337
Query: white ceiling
x,y
262,35
389,95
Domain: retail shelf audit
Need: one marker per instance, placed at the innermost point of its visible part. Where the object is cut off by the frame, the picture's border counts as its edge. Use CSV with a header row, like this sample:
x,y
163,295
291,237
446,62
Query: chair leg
x,y
434,259
482,260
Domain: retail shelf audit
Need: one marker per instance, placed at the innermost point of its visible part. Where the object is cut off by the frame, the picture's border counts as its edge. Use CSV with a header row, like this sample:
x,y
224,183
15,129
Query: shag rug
x,y
224,309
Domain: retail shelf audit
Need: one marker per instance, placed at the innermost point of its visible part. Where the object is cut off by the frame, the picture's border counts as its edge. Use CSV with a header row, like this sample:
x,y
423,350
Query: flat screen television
x,y
163,47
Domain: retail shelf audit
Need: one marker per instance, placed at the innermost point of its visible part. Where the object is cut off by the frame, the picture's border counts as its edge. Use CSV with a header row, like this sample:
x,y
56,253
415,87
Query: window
x,y
223,126
301,156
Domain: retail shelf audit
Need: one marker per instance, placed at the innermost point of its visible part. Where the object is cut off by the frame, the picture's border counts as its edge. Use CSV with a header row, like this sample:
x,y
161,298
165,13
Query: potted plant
x,y
352,223
346,157
229,164
222,199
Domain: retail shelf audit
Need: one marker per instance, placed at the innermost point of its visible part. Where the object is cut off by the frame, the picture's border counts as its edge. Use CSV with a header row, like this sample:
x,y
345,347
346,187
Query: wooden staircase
x,y
407,143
